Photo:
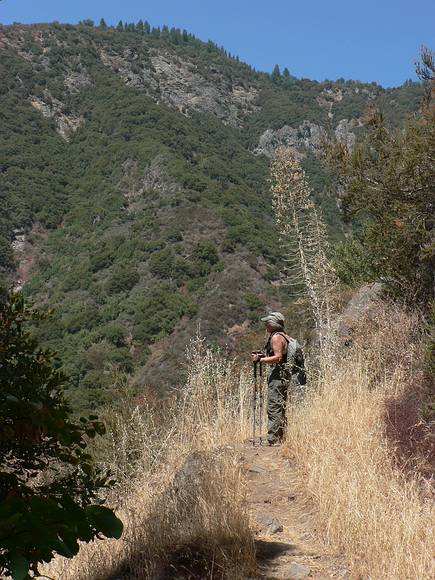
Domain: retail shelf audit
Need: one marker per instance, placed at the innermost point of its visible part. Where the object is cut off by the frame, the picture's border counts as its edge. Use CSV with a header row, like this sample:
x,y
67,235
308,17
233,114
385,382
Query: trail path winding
x,y
293,552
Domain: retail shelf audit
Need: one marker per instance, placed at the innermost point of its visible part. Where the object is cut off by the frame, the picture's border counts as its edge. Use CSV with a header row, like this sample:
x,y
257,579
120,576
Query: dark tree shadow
x,y
268,551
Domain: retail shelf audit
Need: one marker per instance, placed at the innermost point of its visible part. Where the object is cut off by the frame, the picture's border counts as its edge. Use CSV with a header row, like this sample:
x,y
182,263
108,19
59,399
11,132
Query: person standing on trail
x,y
285,354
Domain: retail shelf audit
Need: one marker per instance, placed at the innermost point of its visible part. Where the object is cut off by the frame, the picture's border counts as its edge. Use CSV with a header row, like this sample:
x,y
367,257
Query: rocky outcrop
x,y
26,248
134,70
66,123
308,136
76,80
165,76
328,98
360,305
182,86
344,132
153,178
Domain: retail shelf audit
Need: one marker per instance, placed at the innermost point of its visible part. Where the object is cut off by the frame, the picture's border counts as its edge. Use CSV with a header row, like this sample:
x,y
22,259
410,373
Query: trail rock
x,y
257,469
270,524
298,571
191,471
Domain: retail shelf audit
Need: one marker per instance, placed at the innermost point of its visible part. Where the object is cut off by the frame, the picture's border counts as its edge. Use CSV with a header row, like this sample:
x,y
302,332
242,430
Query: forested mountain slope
x,y
133,187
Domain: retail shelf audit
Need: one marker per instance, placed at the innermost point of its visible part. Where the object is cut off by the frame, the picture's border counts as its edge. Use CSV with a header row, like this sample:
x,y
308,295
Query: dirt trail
x,y
293,552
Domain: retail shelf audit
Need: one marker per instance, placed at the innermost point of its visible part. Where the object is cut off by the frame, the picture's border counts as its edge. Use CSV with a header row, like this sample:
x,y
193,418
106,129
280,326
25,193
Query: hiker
x,y
285,354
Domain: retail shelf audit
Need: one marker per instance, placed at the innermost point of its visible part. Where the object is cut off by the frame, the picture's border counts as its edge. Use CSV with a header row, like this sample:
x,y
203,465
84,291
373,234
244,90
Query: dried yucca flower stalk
x,y
304,241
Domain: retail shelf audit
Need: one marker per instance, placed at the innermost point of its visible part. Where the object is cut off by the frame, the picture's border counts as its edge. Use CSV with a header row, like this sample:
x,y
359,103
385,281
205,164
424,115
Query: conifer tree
x,y
387,183
175,35
276,73
286,73
103,24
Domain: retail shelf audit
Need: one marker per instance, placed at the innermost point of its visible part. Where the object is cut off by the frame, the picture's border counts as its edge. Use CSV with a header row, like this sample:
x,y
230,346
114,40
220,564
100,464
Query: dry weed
x,y
380,518
180,491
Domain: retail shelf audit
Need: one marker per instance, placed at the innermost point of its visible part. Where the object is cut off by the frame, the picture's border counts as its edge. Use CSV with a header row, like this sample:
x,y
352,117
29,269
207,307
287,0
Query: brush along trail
x,y
287,544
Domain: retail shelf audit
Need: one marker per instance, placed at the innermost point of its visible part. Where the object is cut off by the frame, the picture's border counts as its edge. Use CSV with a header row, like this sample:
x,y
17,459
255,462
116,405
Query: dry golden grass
x,y
181,494
380,518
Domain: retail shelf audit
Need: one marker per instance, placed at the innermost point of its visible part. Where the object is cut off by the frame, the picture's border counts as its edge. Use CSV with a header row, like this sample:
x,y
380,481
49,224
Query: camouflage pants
x,y
277,390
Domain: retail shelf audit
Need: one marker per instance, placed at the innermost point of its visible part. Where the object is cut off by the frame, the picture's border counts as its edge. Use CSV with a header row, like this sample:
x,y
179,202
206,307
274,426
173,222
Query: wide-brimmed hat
x,y
275,318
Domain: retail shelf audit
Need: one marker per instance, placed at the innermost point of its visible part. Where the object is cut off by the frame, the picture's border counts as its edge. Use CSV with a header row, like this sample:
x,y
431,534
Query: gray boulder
x,y
269,524
298,571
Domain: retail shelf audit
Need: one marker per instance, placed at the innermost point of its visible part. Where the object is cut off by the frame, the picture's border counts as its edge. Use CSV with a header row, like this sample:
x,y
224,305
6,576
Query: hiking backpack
x,y
295,361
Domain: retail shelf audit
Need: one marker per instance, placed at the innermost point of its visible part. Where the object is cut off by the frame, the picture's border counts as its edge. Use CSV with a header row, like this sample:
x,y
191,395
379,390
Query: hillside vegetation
x,y
133,181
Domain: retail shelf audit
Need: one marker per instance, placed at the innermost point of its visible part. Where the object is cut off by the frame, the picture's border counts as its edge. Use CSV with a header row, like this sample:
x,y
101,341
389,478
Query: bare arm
x,y
278,345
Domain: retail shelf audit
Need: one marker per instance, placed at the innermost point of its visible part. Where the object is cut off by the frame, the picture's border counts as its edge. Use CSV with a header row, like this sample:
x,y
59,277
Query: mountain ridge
x,y
135,169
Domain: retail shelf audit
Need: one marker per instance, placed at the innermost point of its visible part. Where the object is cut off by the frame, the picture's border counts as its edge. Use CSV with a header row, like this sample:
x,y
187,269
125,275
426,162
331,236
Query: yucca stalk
x,y
304,242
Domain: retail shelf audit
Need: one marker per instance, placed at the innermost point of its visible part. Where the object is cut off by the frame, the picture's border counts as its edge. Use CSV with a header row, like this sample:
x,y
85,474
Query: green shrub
x,y
101,355
161,263
158,311
254,306
123,278
206,252
6,254
352,262
80,316
114,333
101,258
48,484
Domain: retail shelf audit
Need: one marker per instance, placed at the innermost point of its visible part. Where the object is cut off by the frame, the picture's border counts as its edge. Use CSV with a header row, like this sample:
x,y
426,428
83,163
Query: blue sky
x,y
368,40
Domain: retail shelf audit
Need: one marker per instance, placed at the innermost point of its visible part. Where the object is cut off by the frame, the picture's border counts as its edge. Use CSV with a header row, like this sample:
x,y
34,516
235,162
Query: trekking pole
x,y
254,403
261,402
